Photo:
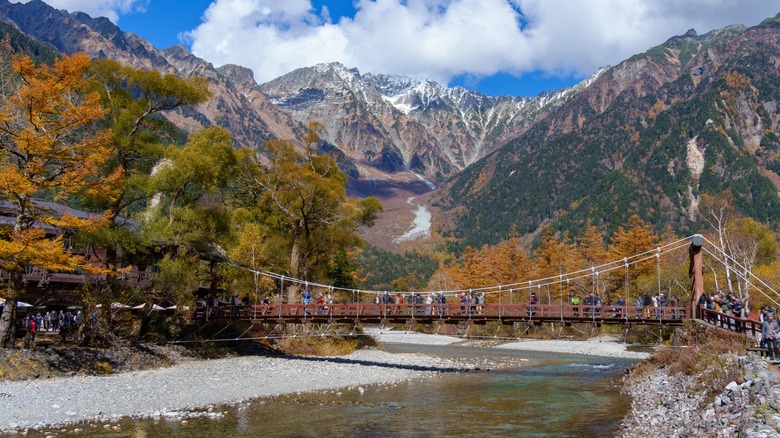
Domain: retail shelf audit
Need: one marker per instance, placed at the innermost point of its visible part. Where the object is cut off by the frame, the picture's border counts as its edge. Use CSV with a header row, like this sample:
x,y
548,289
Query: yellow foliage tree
x,y
636,238
49,144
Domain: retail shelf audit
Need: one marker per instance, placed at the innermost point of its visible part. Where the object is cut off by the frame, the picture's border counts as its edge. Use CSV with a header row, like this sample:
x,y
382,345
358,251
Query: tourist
x,y
647,303
428,302
575,301
531,304
703,301
442,301
32,328
674,302
588,302
638,304
737,311
38,320
306,300
266,302
769,332
620,303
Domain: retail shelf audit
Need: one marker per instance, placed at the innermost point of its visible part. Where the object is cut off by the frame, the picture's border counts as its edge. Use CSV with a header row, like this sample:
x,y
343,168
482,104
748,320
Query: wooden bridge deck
x,y
370,313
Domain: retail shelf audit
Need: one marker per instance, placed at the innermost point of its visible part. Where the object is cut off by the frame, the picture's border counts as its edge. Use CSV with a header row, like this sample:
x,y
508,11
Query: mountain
x,y
397,123
237,104
697,114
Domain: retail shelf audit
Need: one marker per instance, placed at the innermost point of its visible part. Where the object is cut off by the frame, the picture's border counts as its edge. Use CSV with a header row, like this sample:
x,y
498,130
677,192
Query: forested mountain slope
x,y
697,114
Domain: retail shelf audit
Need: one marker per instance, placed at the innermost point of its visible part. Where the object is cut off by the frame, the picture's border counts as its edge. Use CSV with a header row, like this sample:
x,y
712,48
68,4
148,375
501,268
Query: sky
x,y
497,47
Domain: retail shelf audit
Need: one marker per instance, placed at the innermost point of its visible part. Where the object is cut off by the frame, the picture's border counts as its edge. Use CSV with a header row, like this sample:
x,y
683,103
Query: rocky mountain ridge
x,y
697,114
398,123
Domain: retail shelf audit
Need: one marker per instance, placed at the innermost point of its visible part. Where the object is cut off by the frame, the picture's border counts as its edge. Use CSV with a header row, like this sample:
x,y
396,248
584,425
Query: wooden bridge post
x,y
695,268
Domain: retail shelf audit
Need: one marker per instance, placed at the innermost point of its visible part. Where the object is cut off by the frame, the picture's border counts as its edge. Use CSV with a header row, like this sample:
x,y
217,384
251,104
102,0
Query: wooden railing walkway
x,y
733,323
445,313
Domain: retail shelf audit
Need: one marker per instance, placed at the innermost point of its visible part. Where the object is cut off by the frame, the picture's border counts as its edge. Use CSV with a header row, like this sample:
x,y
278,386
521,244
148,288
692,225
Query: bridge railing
x,y
730,322
460,311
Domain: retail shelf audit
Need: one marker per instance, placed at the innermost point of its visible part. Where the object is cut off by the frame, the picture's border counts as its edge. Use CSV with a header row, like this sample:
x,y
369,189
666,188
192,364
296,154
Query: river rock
x,y
674,405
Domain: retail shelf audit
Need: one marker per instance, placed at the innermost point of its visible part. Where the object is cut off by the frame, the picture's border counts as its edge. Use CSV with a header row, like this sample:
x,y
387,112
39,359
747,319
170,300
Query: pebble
x,y
665,405
179,391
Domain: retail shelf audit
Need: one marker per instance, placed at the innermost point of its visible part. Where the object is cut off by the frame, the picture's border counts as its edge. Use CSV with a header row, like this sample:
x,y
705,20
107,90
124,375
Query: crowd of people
x,y
724,303
646,305
52,321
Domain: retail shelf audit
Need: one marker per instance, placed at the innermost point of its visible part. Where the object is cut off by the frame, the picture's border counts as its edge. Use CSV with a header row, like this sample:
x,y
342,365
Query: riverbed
x,y
501,393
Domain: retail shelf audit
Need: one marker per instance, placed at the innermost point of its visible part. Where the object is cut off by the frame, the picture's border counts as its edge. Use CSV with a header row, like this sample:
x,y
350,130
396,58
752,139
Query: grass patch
x,y
323,345
102,367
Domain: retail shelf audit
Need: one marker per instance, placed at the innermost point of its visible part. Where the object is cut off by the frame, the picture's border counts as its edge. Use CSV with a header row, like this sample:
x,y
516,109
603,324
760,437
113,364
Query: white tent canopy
x,y
19,304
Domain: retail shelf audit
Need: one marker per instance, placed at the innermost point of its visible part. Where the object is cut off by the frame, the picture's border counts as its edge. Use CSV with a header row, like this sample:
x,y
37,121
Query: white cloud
x,y
110,9
439,39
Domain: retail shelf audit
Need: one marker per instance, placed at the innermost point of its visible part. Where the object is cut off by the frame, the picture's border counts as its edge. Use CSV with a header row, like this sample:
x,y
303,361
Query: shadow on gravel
x,y
382,364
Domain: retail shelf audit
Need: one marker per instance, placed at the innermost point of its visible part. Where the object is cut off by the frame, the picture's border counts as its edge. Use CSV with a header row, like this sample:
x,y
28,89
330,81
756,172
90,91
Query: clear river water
x,y
552,395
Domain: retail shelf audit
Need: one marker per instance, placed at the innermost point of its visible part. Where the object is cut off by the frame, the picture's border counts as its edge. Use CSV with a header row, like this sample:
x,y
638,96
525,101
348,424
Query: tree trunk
x,y
294,289
8,317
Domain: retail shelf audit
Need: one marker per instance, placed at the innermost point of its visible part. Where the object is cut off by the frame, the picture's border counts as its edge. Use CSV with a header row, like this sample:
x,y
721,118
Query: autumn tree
x,y
592,253
302,198
49,144
472,270
717,211
635,238
748,244
553,257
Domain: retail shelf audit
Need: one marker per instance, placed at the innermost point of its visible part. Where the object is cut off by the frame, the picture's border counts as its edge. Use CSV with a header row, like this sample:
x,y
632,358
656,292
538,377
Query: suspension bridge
x,y
502,302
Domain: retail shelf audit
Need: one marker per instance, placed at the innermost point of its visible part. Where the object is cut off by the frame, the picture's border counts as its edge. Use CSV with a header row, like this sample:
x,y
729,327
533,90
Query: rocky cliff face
x,y
397,123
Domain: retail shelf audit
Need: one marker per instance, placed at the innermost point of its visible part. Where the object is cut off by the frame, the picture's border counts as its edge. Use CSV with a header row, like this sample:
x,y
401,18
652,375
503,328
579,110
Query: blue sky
x,y
497,47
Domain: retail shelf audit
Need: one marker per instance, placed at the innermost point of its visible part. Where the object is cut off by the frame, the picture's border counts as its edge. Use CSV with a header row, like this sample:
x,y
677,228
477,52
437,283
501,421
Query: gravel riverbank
x,y
605,347
188,385
192,384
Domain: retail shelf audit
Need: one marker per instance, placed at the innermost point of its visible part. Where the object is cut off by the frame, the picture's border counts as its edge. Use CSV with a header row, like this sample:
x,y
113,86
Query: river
x,y
555,395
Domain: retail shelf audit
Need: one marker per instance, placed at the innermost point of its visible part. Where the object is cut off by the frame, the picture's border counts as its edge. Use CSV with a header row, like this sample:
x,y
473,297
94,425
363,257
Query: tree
x,y
186,216
748,243
553,257
49,144
638,237
302,198
718,211
135,100
592,253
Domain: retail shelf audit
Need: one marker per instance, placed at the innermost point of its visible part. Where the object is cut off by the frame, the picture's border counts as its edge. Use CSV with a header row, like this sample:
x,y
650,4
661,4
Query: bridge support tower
x,y
695,268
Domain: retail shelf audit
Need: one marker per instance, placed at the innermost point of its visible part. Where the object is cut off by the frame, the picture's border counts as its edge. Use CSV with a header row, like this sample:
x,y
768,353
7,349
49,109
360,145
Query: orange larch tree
x,y
49,144
636,238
